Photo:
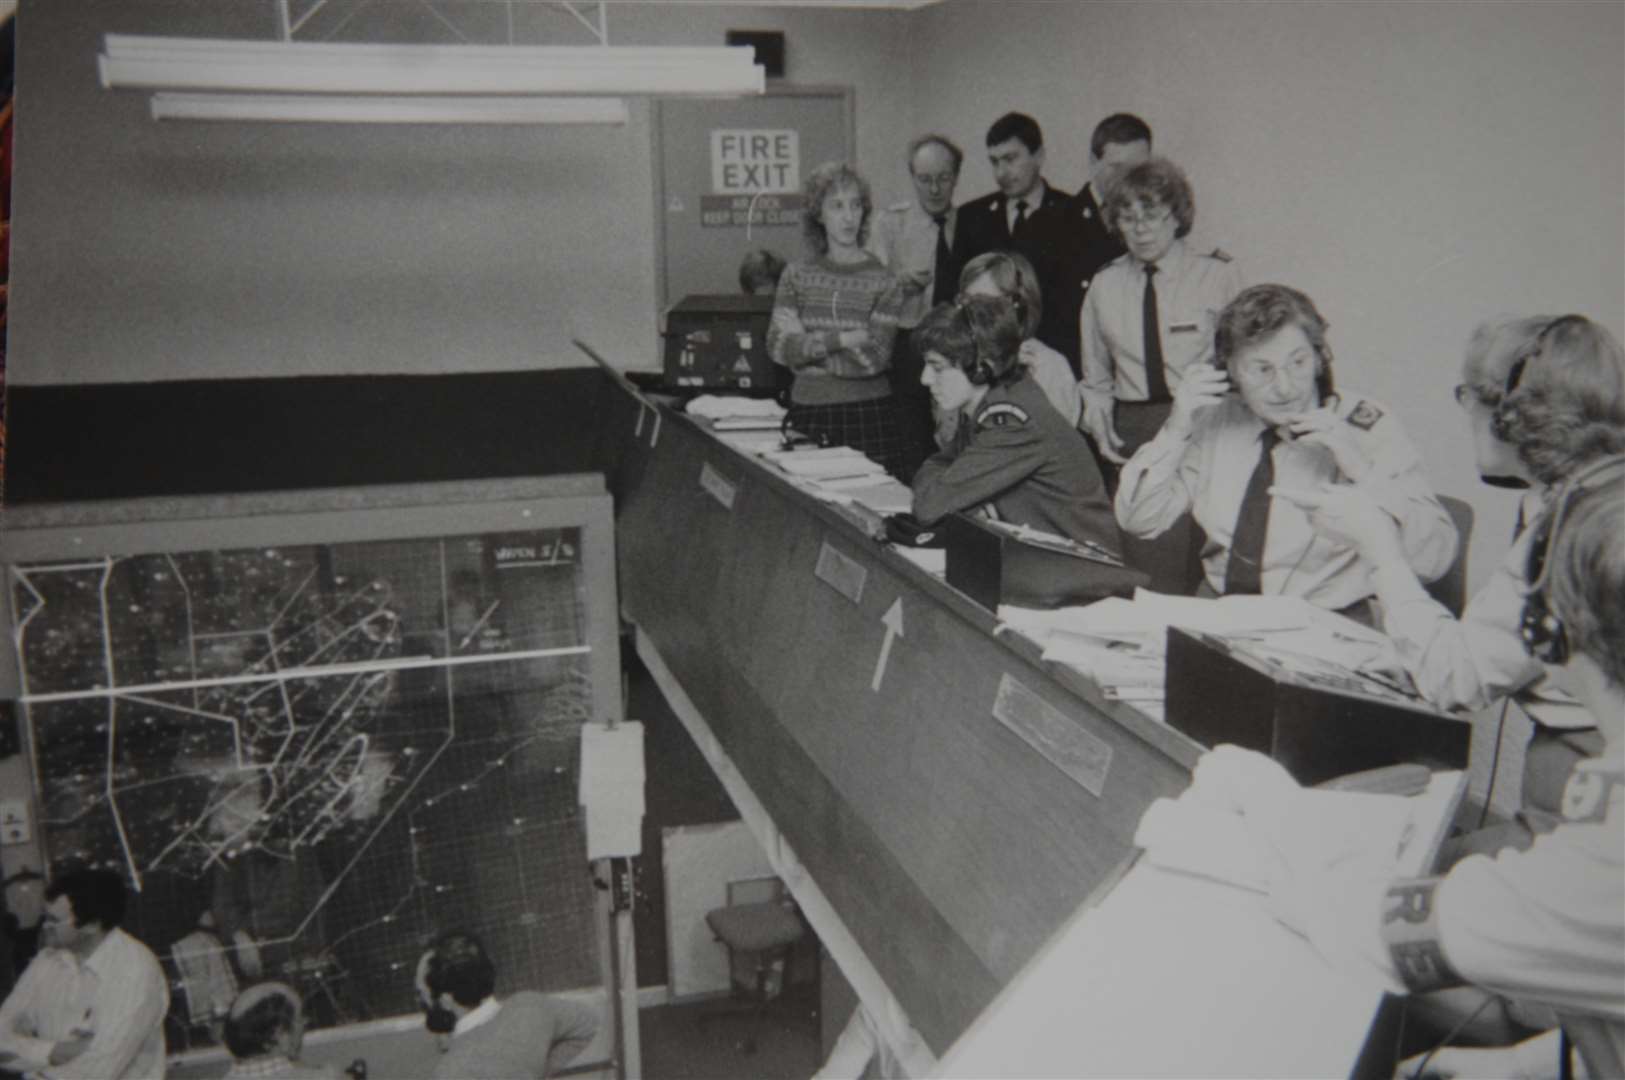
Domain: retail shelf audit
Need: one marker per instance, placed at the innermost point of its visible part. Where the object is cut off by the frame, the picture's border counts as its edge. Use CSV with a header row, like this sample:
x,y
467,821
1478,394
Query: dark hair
x,y
96,896
1156,181
980,335
459,966
253,1032
828,177
1119,128
1258,313
1014,125
1563,403
1015,278
1585,570
933,139
757,268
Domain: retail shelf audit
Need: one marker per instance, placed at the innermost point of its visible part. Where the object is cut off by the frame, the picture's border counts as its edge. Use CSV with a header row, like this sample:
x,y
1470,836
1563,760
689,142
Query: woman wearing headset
x,y
1544,398
1011,453
1267,415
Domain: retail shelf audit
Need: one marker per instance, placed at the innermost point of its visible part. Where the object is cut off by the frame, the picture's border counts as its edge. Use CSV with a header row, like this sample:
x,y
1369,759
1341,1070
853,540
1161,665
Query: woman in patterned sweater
x,y
834,318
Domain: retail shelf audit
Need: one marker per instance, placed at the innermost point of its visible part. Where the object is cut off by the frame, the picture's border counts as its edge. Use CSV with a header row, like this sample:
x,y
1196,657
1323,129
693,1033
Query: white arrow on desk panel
x,y
894,629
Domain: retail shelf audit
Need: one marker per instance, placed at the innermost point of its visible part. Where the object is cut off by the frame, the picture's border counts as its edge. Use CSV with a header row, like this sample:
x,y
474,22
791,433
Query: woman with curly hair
x,y
834,321
1544,398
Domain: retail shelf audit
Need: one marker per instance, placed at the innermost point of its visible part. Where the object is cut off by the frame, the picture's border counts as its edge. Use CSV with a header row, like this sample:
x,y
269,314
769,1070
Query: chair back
x,y
1451,589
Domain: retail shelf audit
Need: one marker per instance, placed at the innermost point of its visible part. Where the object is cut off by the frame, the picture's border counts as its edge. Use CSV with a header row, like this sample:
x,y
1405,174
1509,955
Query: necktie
x,y
1156,379
1242,574
943,285
1021,218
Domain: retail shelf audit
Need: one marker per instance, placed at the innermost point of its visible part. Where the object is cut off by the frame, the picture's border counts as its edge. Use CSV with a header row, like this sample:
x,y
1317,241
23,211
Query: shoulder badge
x,y
1221,254
1002,414
1588,793
1364,415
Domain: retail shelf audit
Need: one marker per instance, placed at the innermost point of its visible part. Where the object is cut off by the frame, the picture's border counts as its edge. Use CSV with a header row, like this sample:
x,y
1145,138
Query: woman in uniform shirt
x,y
1012,455
1220,454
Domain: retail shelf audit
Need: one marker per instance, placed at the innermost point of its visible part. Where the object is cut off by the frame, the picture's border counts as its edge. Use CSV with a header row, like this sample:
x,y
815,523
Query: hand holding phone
x,y
1201,387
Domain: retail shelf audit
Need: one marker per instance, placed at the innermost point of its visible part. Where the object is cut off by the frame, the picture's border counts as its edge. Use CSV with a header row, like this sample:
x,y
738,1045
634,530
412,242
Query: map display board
x,y
307,760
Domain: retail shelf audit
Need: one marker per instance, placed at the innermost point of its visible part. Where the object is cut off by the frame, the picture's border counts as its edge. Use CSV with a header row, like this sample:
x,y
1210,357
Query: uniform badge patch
x,y
1002,414
1364,416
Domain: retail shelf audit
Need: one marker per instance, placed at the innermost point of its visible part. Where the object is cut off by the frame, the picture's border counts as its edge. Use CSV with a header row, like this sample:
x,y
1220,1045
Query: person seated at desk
x,y
1220,453
1007,273
265,1031
1544,397
1546,925
1012,453
834,321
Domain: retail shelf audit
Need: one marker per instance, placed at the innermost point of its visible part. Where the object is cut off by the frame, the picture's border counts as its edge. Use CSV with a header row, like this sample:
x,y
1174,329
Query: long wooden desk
x,y
874,713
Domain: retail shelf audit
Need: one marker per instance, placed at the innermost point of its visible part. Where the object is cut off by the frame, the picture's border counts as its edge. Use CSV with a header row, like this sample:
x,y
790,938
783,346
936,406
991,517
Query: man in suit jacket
x,y
1025,215
1120,142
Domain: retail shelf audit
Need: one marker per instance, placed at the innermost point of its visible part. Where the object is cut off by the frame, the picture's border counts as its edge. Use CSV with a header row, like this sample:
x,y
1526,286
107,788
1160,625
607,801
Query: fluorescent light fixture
x,y
363,109
215,64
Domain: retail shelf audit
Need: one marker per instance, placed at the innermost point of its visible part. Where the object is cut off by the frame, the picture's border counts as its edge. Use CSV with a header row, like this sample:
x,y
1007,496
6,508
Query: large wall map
x,y
309,760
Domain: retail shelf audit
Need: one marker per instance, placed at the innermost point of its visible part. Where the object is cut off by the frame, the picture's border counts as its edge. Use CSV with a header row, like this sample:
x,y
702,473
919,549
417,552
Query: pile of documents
x,y
738,413
1121,644
840,474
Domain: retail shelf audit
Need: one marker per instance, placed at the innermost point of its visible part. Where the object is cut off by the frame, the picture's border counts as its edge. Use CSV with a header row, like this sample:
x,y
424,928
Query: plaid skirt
x,y
869,426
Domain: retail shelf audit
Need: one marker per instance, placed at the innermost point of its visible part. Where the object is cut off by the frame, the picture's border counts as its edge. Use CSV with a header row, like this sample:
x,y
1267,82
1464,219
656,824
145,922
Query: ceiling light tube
x,y
327,109
325,67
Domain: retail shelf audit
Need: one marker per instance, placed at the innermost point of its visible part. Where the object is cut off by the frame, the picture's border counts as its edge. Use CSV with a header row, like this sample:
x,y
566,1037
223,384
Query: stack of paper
x,y
738,413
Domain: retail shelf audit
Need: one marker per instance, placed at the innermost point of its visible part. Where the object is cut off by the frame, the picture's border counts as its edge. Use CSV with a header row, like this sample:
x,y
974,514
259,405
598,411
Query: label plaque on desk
x,y
994,565
1318,725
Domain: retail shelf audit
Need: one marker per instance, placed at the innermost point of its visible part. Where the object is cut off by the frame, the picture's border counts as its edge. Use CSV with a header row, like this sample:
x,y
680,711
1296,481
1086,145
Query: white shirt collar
x,y
482,1013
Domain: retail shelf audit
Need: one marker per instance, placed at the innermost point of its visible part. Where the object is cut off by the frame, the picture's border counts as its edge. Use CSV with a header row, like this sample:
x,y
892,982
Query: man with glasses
x,y
915,239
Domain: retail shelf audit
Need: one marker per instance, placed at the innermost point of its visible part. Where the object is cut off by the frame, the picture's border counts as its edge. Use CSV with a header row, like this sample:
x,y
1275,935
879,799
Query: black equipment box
x,y
720,343
994,565
1317,723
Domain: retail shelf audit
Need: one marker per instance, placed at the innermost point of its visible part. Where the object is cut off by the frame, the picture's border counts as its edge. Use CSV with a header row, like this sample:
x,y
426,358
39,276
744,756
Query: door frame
x,y
657,130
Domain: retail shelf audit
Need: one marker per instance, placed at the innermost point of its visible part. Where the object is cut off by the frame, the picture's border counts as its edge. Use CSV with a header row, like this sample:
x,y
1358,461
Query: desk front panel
x,y
949,845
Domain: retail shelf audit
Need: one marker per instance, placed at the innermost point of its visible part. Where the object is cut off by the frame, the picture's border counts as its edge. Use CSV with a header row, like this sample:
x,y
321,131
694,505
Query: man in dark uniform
x,y
1025,215
1013,455
1088,243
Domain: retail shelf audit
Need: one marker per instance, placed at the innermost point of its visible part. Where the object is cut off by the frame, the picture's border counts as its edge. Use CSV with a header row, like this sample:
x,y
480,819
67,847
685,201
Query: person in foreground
x,y
834,320
92,1003
1544,926
1219,454
522,1035
265,1031
1012,453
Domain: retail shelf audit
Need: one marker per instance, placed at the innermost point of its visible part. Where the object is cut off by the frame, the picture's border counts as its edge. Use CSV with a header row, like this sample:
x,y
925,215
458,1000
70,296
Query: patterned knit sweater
x,y
817,299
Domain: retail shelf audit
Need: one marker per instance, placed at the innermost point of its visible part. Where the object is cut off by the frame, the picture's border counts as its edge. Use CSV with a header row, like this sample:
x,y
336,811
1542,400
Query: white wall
x,y
146,251
1414,166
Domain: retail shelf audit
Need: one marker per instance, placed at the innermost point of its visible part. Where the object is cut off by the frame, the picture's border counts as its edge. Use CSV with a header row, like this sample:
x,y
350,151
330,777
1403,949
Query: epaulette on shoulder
x,y
1002,414
1222,255
1364,415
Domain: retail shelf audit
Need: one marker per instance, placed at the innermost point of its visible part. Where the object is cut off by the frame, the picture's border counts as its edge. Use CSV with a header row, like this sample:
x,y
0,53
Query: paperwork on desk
x,y
1121,644
840,474
737,413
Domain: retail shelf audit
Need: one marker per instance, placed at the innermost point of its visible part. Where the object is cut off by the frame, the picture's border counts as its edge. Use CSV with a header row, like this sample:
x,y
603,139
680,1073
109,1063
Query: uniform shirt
x,y
1191,291
816,300
1049,370
1548,924
904,237
119,993
1019,456
1206,472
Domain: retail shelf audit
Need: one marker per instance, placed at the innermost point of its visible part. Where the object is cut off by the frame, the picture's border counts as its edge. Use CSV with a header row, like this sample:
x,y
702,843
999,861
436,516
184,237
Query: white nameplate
x,y
1083,756
841,572
717,486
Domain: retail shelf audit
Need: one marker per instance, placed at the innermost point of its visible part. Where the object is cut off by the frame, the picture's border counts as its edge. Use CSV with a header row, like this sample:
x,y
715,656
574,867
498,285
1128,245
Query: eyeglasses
x,y
1149,218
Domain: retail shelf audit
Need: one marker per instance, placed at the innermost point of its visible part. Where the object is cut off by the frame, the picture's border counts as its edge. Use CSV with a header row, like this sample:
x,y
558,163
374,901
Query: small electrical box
x,y
720,343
